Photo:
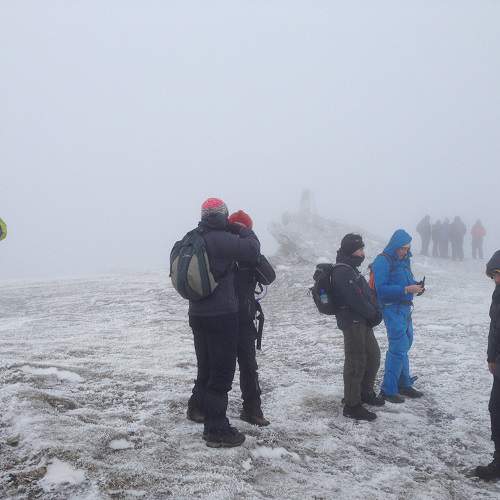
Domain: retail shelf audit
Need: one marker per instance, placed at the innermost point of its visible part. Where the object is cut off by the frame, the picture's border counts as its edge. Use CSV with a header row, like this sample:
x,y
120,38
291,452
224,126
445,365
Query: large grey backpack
x,y
190,268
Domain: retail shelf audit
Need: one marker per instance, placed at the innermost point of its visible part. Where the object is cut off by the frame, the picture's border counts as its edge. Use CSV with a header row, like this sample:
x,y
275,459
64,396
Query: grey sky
x,y
118,118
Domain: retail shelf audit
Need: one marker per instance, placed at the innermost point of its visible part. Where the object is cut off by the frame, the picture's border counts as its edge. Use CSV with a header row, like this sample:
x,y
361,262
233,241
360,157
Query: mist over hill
x,y
306,237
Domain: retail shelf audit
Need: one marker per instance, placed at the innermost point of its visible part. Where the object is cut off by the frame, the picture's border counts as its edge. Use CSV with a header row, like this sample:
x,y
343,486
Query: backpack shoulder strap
x,y
337,265
388,258
341,264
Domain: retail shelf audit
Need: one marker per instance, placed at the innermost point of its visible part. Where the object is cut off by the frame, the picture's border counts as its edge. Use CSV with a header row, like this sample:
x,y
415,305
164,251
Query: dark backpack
x,y
323,289
190,267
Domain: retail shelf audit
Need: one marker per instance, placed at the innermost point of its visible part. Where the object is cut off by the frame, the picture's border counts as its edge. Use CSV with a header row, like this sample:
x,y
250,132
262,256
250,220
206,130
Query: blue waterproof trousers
x,y
397,319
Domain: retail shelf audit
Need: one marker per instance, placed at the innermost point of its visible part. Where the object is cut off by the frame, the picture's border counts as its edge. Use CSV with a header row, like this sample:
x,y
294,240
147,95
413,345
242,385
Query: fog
x,y
119,118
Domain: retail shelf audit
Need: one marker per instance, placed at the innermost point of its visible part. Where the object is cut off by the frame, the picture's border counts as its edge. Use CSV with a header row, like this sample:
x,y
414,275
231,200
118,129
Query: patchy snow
x,y
61,473
121,430
273,453
120,444
63,375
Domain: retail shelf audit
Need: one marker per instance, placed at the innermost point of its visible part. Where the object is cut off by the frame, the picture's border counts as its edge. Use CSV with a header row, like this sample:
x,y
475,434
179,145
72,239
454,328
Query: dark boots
x,y
359,412
373,400
392,398
490,471
195,414
254,417
228,437
410,392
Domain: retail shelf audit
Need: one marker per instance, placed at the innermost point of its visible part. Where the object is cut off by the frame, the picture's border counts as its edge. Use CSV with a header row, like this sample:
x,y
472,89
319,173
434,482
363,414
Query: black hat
x,y
350,243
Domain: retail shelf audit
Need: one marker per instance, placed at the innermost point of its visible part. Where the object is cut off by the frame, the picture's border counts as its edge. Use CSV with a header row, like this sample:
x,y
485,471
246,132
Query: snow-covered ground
x,y
95,375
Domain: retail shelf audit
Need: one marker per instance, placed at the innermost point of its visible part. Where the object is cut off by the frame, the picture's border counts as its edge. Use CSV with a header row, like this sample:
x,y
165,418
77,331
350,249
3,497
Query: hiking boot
x,y
373,400
254,418
392,398
228,437
195,415
410,392
490,471
359,412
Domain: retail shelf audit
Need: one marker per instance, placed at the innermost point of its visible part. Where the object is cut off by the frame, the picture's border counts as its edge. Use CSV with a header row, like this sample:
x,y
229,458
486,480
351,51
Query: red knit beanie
x,y
241,217
213,206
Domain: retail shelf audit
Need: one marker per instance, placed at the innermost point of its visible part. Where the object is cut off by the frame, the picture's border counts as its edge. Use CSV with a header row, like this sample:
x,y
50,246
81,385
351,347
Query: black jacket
x,y
494,335
246,282
224,249
247,278
436,231
457,230
424,228
353,295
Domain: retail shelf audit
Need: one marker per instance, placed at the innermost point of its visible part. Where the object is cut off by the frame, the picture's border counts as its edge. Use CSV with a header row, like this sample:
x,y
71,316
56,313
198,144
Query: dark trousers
x,y
361,364
247,362
494,408
215,343
426,240
435,248
443,249
477,248
457,250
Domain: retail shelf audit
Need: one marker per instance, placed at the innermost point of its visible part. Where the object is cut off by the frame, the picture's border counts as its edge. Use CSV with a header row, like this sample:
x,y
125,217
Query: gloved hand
x,y
239,229
375,321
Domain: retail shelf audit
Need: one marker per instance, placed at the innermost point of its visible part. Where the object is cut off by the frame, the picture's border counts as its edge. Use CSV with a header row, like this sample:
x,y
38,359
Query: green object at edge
x,y
3,230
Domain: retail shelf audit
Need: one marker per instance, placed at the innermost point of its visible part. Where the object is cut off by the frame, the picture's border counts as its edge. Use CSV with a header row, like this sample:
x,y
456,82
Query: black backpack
x,y
323,289
190,267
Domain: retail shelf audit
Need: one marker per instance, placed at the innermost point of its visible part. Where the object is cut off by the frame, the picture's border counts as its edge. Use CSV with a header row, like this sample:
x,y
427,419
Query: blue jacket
x,y
392,274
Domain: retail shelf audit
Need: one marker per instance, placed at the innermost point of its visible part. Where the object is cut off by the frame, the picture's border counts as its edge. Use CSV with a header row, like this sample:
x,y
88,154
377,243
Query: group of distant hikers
x,y
445,235
218,265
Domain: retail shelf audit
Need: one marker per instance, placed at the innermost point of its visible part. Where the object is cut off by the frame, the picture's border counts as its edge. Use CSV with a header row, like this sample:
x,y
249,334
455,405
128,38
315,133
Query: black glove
x,y
375,321
239,229
422,284
234,227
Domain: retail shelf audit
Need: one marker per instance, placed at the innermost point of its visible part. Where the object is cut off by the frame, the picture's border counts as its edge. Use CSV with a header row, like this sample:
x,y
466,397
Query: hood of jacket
x,y
214,221
398,239
493,263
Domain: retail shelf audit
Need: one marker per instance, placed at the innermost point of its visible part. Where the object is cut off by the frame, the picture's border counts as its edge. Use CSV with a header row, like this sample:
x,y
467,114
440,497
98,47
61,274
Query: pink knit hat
x,y
213,206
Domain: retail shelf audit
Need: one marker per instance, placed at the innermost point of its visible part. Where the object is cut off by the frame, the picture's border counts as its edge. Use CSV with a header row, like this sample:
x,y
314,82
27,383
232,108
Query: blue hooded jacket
x,y
393,274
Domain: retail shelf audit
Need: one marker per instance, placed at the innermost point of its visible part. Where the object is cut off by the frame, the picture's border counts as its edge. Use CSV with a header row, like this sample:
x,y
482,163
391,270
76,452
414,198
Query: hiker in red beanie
x,y
214,321
242,218
246,280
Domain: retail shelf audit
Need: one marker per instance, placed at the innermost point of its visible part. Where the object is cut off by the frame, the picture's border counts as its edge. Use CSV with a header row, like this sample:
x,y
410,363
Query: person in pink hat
x,y
214,321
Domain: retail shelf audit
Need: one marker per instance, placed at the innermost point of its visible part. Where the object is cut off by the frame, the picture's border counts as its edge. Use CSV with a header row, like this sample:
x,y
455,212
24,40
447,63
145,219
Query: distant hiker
x,y
248,274
444,240
395,286
457,235
478,233
436,238
358,313
214,321
424,229
492,470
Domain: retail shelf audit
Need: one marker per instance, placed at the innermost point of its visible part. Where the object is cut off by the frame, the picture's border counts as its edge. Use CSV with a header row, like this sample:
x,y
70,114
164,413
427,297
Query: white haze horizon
x,y
118,120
